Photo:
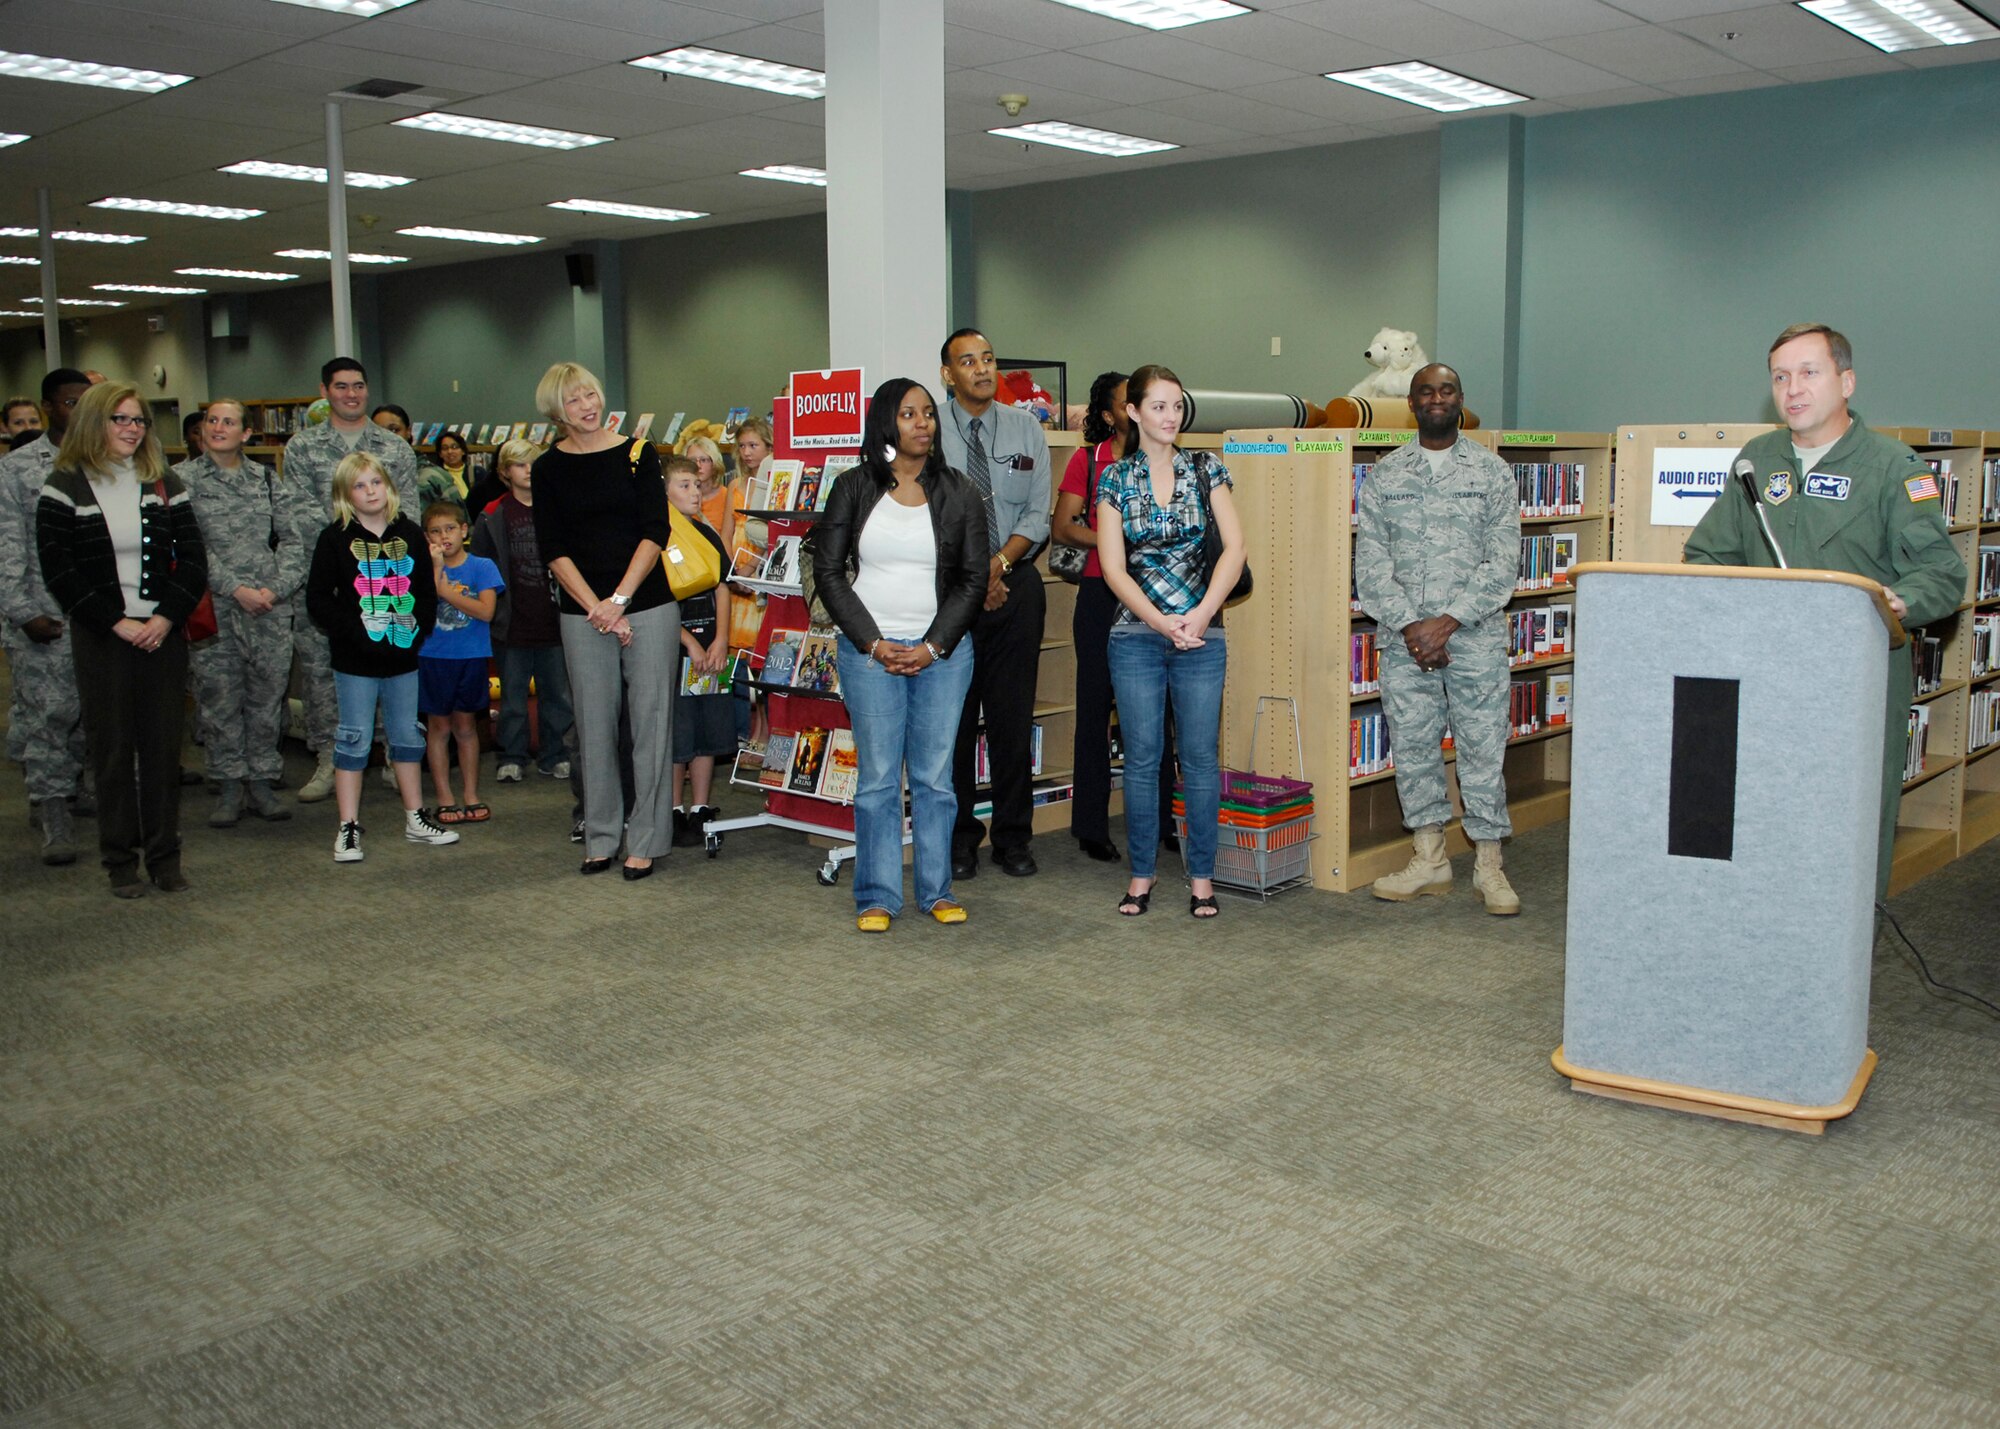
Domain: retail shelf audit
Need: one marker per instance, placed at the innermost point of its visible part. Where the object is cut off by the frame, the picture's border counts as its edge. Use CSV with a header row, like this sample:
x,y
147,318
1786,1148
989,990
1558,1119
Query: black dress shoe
x,y
965,865
1103,850
633,875
1016,862
595,865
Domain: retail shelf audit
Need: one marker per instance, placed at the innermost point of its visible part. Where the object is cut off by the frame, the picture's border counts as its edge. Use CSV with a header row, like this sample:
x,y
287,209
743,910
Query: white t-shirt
x,y
1808,457
118,496
897,581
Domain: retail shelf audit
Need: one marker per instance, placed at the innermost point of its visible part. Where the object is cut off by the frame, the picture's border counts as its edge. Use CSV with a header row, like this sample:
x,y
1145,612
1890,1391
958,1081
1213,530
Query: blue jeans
x,y
1146,672
544,665
903,720
357,697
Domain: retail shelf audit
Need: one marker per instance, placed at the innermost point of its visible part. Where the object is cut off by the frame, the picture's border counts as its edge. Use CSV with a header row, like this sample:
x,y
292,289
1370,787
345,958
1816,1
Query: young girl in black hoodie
x,y
372,592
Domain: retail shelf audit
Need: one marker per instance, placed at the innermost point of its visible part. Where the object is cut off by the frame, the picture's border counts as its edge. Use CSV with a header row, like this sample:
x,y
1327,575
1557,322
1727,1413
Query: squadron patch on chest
x,y
1833,488
1778,490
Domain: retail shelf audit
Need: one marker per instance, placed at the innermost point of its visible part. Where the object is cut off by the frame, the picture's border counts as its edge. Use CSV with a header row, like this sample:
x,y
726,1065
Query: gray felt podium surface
x,y
1726,772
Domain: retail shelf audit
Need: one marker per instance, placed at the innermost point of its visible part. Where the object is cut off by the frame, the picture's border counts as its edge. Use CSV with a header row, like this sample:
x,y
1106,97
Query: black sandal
x,y
1136,902
1195,905
595,865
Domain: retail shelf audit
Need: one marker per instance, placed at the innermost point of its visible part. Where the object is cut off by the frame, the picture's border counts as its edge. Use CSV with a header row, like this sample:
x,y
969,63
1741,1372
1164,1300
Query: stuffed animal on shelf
x,y
1395,355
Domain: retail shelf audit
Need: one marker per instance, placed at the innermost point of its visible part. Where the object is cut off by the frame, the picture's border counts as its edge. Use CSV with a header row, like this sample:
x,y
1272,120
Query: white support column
x,y
51,319
885,220
336,232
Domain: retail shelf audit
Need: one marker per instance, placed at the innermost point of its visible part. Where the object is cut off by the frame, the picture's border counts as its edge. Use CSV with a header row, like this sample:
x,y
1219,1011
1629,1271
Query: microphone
x,y
1745,472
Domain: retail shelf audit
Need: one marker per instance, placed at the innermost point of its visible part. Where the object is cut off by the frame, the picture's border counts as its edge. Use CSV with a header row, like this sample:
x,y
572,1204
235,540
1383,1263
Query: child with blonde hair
x,y
704,724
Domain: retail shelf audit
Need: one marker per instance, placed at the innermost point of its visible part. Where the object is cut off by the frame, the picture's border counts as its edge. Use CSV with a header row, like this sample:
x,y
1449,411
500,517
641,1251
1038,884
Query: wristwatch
x,y
617,599
1006,566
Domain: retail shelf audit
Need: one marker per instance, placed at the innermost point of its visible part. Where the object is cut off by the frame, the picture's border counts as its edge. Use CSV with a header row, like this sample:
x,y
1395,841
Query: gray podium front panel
x,y
1746,973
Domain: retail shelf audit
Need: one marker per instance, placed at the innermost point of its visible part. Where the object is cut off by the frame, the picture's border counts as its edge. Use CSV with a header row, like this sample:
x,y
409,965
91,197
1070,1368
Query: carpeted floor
x,y
454,1137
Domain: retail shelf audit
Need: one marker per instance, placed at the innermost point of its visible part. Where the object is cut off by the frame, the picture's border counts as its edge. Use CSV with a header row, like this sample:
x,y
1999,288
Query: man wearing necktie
x,y
1002,451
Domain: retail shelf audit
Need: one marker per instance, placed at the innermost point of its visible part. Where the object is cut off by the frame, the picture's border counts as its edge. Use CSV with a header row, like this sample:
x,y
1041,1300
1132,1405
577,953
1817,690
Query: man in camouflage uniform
x,y
1436,551
307,476
256,566
46,714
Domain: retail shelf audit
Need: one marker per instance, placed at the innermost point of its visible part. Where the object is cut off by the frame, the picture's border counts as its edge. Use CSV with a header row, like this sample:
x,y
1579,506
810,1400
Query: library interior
x,y
1706,1132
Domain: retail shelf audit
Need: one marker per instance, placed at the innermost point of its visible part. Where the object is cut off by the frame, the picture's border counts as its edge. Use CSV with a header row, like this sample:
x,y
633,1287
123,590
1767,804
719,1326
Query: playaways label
x,y
826,408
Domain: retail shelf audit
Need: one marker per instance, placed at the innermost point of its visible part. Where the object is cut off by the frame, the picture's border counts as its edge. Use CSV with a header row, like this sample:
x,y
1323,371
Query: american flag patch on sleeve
x,y
1922,488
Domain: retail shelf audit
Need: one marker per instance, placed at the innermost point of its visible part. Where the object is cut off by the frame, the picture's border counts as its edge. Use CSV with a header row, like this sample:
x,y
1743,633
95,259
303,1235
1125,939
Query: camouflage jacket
x,y
1437,545
241,514
307,473
23,596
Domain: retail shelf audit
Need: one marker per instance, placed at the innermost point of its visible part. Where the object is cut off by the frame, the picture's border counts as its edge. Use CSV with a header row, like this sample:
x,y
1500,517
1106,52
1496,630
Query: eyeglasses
x,y
121,419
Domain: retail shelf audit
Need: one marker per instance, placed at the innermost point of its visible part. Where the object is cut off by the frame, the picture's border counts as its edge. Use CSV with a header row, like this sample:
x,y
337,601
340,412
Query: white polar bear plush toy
x,y
1395,355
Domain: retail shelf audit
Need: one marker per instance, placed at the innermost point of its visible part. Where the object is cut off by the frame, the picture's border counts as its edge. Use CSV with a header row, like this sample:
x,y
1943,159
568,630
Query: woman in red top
x,y
1075,524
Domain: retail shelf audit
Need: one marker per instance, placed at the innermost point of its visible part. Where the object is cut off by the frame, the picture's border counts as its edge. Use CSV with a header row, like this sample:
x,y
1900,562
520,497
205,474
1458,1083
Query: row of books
x,y
804,660
1927,662
1983,721
982,766
1368,746
1540,632
820,762
1364,666
1533,704
1985,643
1920,735
1546,560
1947,481
1989,491
1989,572
1550,488
791,485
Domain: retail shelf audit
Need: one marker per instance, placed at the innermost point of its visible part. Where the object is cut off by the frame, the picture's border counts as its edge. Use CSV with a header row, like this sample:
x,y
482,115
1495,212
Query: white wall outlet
x,y
1274,347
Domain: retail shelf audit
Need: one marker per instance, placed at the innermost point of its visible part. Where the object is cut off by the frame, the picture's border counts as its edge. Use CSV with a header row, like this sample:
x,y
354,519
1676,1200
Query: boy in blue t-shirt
x,y
452,688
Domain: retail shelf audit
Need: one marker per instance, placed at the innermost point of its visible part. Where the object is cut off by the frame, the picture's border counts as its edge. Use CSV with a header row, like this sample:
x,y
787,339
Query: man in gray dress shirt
x,y
1002,451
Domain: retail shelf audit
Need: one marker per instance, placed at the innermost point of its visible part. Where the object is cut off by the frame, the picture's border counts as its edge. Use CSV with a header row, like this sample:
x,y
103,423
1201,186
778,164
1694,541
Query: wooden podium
x,y
1726,780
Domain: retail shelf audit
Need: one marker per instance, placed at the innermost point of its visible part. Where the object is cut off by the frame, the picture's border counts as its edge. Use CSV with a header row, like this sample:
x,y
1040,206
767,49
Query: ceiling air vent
x,y
402,93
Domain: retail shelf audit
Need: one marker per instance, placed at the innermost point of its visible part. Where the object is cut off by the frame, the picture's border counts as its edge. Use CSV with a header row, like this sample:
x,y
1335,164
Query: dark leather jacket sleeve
x,y
957,523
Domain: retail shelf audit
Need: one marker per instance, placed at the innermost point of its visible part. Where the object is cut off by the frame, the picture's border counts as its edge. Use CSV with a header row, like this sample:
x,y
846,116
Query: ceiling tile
x,y
781,44
1876,63
1149,123
1113,83
1286,42
1625,94
1952,54
1188,62
1539,19
977,89
1774,35
1646,54
1326,99
1662,12
1036,22
1402,26
1232,111
1531,70
974,49
1720,83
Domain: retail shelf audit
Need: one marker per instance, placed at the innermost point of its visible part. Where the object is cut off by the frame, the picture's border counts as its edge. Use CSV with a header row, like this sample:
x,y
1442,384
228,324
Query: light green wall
x,y
492,327
289,334
718,318
1666,244
1200,265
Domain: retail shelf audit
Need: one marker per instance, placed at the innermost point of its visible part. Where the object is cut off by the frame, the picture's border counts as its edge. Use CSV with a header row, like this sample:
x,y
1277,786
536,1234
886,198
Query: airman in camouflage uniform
x,y
256,566
307,475
1436,551
46,712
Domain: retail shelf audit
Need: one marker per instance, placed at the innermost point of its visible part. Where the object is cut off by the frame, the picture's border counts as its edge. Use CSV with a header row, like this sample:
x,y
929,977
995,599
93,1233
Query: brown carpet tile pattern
x,y
456,1138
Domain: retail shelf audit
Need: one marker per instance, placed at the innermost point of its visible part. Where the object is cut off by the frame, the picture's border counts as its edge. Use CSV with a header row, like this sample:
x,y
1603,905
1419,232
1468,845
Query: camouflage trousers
x,y
240,680
316,674
1471,695
46,715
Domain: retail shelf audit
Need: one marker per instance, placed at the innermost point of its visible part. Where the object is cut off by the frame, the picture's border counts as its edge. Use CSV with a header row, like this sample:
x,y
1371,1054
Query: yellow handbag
x,y
692,563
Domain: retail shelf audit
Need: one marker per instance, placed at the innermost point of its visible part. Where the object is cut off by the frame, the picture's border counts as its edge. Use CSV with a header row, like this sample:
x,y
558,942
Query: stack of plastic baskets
x,y
1265,833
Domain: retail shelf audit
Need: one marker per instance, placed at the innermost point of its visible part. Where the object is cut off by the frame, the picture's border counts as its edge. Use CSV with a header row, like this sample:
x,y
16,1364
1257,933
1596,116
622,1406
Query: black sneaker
x,y
576,832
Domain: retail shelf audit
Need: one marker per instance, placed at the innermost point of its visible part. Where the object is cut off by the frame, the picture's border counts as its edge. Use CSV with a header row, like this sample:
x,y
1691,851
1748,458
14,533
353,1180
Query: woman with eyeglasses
x,y
122,555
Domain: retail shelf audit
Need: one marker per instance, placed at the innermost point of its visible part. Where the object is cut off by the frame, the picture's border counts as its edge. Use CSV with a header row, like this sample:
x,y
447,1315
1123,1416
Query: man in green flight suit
x,y
1840,497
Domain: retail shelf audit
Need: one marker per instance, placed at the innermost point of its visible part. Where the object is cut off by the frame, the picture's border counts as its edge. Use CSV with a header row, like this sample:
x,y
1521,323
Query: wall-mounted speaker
x,y
582,270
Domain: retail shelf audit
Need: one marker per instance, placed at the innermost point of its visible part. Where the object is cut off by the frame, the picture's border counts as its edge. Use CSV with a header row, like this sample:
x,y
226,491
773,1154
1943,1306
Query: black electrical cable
x,y
1936,988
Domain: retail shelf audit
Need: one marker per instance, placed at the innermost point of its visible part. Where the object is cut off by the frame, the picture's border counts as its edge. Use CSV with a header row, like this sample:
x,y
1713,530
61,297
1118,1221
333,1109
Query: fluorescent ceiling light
x,y
326,255
19,261
627,210
1088,141
363,8
1428,86
311,174
788,173
78,303
465,126
19,313
1892,25
8,141
469,235
144,81
1159,14
181,210
724,68
73,235
234,273
142,288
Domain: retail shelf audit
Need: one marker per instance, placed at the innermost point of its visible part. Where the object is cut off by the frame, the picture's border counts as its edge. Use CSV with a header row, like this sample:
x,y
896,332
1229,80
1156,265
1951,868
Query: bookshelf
x,y
1294,636
1952,804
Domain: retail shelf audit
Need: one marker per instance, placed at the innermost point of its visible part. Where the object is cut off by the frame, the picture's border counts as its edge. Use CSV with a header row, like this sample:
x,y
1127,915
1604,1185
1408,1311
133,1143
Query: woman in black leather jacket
x,y
899,560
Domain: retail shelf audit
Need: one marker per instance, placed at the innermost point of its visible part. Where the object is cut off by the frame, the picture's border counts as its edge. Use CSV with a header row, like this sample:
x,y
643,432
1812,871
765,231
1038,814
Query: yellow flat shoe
x,y
946,911
873,921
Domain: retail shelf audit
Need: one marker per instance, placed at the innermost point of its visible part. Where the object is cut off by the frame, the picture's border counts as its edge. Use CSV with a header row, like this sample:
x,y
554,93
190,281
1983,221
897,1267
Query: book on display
x,y
843,770
777,766
807,758
781,655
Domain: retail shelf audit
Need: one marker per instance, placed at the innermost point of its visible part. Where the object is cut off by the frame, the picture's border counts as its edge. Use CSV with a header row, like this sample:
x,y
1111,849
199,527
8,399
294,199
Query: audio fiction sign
x,y
1686,480
826,409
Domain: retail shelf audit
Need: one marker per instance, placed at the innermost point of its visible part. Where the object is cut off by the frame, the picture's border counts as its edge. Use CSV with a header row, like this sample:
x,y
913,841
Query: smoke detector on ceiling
x,y
1013,104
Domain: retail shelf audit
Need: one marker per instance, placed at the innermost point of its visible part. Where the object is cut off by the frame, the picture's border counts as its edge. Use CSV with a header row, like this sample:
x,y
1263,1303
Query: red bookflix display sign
x,y
825,409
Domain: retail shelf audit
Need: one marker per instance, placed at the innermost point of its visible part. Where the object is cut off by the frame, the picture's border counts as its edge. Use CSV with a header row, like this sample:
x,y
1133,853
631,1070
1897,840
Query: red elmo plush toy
x,y
1019,389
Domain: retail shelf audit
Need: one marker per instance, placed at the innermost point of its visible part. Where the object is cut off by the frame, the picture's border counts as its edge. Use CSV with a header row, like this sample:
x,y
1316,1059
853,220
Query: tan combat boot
x,y
321,783
1429,871
1490,879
